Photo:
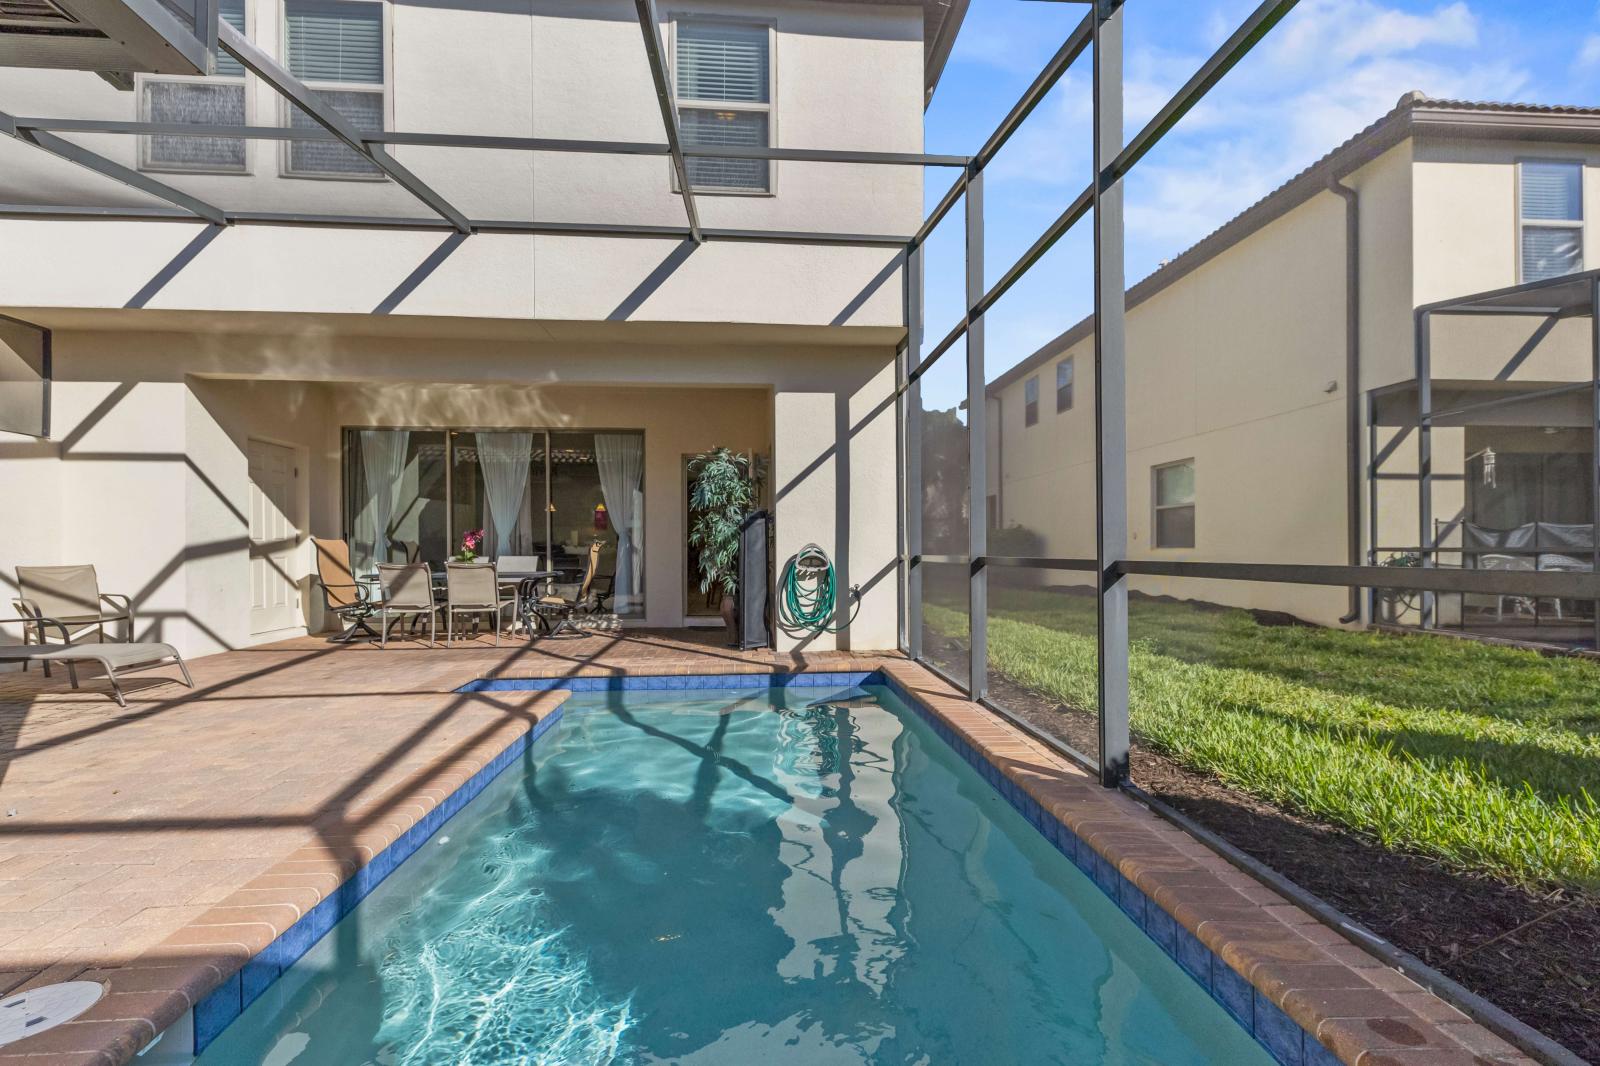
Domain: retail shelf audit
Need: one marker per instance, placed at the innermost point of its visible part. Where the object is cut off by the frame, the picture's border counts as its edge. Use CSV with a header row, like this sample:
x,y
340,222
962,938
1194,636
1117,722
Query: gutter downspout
x,y
1352,377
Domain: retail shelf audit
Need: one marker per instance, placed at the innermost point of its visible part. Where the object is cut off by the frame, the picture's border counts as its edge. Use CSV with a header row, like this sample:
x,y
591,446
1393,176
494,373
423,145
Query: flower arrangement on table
x,y
471,544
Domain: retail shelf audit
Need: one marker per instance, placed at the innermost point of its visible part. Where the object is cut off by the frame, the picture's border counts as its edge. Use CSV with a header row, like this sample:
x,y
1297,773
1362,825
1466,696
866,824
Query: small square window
x,y
1173,491
1064,385
210,103
1030,401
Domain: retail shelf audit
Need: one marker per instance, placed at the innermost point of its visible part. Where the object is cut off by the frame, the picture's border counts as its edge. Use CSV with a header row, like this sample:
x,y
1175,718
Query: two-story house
x,y
222,392
1273,385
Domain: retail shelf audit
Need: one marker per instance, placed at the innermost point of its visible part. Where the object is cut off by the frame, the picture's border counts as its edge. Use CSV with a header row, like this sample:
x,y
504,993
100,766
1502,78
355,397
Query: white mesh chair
x,y
473,589
407,594
1495,561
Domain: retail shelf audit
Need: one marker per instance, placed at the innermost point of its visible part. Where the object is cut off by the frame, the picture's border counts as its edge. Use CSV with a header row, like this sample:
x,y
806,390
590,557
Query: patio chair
x,y
407,590
343,596
586,599
473,588
71,596
114,658
1496,561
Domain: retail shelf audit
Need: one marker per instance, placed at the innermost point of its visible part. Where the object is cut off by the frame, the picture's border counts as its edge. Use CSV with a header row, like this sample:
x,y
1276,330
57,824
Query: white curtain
x,y
620,457
504,459
383,460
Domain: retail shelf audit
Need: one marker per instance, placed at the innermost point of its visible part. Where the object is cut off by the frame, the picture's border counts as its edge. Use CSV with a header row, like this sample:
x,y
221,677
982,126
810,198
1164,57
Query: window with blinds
x,y
1551,218
724,89
215,101
337,48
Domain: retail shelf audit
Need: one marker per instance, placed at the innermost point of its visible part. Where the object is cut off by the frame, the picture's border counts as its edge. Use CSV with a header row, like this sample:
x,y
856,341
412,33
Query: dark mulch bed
x,y
1534,954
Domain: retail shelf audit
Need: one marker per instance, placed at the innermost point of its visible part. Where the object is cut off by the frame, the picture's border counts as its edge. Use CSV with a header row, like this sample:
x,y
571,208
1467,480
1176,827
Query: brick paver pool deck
x,y
158,848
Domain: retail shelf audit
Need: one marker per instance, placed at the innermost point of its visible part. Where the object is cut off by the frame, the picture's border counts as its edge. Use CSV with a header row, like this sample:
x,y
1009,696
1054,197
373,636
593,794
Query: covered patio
x,y
1485,460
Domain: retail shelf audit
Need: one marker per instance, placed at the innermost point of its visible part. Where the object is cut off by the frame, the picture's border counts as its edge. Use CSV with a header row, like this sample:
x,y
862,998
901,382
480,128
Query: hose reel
x,y
809,594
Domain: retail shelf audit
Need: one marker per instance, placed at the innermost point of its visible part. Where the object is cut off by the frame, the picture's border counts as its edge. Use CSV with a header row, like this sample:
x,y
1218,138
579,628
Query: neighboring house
x,y
1241,444
221,393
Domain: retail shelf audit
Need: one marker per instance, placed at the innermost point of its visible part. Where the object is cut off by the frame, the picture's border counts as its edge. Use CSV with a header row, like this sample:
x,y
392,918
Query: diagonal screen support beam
x,y
76,153
669,110
295,91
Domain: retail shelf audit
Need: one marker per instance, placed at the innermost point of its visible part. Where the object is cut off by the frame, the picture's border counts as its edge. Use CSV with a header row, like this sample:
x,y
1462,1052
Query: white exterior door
x,y
274,536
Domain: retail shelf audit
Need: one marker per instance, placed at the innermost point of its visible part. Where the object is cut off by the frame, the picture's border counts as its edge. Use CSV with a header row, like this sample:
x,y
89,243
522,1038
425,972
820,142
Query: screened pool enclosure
x,y
537,490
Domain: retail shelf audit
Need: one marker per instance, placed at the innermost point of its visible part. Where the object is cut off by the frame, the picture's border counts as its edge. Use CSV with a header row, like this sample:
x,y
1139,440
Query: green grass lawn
x,y
1487,758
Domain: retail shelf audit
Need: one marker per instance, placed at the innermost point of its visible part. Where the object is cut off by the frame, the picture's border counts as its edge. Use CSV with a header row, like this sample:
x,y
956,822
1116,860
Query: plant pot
x,y
730,619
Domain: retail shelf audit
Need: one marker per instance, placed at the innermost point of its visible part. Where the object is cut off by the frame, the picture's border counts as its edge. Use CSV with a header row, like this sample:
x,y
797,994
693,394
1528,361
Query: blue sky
x,y
1329,69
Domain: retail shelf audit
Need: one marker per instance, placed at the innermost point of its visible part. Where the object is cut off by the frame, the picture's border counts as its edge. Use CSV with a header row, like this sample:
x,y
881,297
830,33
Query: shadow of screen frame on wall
x,y
24,378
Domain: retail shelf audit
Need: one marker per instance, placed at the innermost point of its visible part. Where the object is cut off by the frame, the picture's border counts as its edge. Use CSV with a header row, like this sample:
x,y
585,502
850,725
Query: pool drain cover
x,y
41,1009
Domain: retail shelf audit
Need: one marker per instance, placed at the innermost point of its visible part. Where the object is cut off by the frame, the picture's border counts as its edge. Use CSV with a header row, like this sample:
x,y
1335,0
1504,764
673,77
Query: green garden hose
x,y
810,595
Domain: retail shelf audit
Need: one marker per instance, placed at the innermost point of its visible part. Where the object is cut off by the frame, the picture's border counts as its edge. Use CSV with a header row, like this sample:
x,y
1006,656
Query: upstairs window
x,y
215,101
1064,385
336,48
1030,401
724,92
1174,504
1551,218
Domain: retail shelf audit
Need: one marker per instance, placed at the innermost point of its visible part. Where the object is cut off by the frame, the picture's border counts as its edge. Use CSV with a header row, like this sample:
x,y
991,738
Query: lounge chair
x,y
473,588
114,658
407,593
343,596
71,597
586,599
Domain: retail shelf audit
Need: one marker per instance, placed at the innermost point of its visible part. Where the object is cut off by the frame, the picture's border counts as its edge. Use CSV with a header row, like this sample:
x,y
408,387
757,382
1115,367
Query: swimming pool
x,y
739,876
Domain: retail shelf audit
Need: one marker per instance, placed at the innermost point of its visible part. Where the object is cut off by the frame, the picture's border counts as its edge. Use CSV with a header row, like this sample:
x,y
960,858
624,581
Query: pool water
x,y
736,877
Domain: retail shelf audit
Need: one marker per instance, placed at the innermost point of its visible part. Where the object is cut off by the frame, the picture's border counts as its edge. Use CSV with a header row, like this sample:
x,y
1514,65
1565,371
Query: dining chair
x,y
407,593
473,588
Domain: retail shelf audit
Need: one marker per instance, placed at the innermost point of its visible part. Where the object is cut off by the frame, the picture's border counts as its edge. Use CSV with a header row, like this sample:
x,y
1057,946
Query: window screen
x,y
1551,212
199,102
1030,401
336,46
724,93
364,110
218,100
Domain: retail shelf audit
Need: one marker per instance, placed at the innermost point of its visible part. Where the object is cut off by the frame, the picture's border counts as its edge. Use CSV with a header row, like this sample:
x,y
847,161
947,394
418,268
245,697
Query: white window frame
x,y
1027,422
674,18
1072,386
1156,506
244,80
386,32
1552,223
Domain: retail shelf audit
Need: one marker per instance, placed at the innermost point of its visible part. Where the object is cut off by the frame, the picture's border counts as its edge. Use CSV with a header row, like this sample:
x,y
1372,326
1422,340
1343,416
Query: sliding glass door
x,y
550,495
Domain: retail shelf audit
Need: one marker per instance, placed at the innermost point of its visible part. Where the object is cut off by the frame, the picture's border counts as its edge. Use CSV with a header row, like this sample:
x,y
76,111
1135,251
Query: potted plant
x,y
724,489
471,544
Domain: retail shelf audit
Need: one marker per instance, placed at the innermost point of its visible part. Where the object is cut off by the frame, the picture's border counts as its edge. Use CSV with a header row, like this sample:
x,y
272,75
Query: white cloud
x,y
1332,68
1589,53
1344,31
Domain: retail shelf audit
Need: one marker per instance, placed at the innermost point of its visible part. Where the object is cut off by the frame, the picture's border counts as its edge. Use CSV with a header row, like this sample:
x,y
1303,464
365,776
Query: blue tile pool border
x,y
227,1001
1283,1038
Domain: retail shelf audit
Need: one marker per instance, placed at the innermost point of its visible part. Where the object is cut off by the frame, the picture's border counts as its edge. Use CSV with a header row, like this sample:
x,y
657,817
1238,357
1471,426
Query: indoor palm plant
x,y
725,487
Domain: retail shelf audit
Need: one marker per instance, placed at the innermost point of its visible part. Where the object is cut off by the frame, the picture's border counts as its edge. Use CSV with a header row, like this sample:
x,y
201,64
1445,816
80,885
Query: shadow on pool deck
x,y
161,846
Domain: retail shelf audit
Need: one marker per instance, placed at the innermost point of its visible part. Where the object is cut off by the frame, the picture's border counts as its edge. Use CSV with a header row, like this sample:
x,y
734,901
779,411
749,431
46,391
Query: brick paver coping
x,y
158,849
1307,993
